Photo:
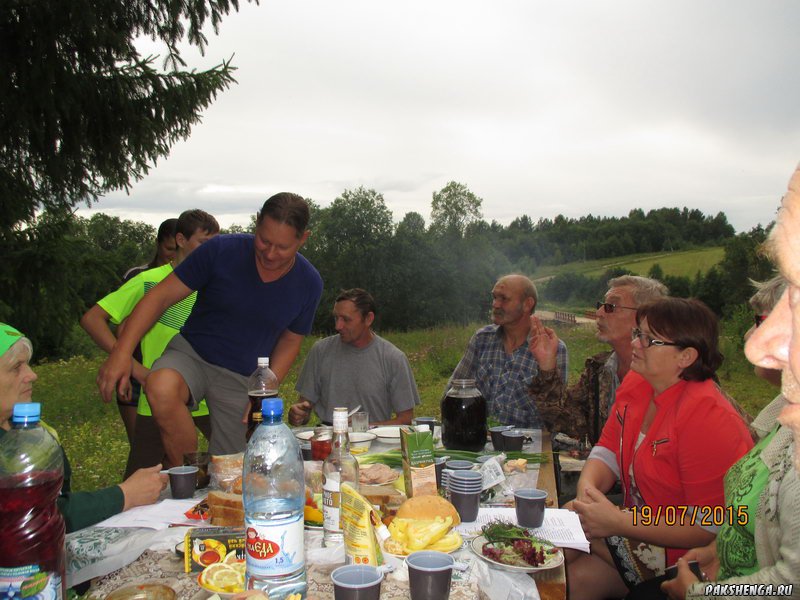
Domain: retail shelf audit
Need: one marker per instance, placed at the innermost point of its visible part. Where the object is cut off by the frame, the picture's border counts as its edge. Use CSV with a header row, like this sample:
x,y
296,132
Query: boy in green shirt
x,y
194,227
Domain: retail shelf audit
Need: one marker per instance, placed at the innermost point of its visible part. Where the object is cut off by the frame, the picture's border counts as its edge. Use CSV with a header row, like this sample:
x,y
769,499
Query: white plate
x,y
360,437
304,435
387,433
551,560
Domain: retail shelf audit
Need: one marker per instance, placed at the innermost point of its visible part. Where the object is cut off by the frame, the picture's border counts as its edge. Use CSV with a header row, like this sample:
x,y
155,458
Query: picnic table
x,y
138,556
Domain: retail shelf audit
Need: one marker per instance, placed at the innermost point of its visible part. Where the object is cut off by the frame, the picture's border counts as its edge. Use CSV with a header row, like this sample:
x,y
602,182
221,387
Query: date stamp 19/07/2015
x,y
705,516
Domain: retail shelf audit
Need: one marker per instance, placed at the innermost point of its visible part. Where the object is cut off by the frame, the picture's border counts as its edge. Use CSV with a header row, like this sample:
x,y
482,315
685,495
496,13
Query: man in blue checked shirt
x,y
498,358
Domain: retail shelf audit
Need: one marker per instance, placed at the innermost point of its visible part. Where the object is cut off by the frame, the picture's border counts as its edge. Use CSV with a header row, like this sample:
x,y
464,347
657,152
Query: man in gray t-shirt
x,y
354,367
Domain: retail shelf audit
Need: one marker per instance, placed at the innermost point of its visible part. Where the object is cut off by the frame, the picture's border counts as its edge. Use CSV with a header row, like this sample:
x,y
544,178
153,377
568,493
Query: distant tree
x,y
81,111
710,289
678,286
238,228
413,224
744,260
47,269
453,208
124,243
348,245
656,272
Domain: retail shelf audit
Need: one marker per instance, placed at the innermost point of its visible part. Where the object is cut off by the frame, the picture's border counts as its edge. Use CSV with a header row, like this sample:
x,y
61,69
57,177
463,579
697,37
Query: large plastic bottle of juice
x,y
32,555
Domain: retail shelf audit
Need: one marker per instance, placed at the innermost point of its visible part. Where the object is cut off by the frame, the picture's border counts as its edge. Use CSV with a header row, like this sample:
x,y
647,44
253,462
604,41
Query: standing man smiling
x,y
256,296
356,367
498,358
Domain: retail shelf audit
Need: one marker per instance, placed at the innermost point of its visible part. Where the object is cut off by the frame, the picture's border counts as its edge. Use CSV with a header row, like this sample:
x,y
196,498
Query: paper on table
x,y
561,527
154,516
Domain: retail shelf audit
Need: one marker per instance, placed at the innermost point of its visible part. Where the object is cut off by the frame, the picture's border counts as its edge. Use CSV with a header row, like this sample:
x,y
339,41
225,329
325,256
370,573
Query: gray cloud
x,y
539,107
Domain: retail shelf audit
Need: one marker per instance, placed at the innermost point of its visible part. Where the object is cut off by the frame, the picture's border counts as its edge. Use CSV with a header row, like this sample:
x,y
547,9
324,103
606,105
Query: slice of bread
x,y
226,516
225,499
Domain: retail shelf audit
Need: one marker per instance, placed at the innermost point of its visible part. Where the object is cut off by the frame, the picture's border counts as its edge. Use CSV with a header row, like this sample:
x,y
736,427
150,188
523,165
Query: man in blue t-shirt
x,y
256,296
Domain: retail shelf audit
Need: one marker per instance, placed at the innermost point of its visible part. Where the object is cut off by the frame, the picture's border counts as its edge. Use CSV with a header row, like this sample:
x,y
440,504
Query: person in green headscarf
x,y
80,509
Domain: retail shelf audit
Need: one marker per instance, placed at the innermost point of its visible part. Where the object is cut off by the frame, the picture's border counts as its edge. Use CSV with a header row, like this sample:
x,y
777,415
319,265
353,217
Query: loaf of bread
x,y
226,472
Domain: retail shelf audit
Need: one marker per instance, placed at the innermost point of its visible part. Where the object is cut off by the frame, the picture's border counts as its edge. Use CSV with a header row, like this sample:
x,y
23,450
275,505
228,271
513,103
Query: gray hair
x,y
767,294
16,348
645,289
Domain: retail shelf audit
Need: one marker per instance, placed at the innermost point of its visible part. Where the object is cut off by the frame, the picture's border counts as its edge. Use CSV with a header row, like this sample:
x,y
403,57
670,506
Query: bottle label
x,y
274,550
29,581
331,501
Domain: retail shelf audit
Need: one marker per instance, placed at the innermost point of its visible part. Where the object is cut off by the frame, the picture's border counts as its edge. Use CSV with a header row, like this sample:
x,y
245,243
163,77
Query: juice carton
x,y
419,470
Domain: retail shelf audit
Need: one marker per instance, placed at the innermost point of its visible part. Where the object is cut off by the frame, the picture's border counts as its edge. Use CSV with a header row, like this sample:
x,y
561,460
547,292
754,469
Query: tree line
x,y
725,287
421,274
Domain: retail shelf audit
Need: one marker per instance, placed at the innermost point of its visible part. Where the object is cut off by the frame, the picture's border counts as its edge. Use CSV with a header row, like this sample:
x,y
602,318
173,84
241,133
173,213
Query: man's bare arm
x,y
115,372
95,322
284,353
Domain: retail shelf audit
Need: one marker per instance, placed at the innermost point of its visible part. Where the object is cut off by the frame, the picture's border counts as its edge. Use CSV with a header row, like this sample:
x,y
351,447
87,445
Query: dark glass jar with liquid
x,y
464,417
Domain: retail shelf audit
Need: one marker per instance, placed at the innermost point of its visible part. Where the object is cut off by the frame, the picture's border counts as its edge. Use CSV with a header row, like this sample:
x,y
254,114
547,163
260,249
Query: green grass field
x,y
684,263
94,438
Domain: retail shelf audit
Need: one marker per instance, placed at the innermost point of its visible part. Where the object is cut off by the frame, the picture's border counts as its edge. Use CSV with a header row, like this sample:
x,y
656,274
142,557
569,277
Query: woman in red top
x,y
671,436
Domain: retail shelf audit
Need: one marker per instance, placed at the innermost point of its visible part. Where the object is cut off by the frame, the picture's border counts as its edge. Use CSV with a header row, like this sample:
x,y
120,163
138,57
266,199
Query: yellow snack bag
x,y
359,523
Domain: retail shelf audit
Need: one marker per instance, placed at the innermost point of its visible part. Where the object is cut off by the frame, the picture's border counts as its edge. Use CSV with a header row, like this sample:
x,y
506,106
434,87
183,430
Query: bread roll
x,y
427,508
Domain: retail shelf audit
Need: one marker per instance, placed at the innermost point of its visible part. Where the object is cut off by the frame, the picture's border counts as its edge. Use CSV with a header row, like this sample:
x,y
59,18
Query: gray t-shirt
x,y
378,377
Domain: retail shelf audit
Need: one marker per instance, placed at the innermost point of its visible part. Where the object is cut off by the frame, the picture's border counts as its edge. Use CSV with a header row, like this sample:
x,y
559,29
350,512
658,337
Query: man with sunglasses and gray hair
x,y
581,410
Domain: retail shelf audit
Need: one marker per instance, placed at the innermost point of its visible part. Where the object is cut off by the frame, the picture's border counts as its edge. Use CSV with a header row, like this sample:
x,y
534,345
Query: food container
x,y
360,441
204,546
464,417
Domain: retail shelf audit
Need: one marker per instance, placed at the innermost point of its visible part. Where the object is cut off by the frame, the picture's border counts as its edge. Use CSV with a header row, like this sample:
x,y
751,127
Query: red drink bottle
x,y
32,555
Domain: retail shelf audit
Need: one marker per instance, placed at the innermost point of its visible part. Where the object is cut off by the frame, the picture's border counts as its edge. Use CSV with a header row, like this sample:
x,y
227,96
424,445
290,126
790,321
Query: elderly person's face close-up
x,y
776,343
615,326
16,379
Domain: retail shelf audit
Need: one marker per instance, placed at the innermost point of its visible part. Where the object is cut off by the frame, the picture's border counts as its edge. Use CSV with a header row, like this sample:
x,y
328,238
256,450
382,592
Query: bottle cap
x,y
26,412
272,407
263,361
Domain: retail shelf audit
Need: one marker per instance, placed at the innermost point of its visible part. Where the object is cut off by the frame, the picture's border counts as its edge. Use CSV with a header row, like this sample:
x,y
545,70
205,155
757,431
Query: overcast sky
x,y
539,107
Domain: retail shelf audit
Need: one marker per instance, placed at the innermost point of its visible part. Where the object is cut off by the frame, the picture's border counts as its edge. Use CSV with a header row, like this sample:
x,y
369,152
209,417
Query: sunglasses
x,y
646,341
609,308
759,319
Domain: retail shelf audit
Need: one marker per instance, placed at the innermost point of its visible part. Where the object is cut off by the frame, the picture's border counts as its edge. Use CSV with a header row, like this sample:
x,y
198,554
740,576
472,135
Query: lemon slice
x,y
231,559
221,577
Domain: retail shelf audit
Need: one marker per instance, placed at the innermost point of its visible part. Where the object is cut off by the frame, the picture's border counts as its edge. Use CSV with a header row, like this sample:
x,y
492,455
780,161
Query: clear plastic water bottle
x,y
32,552
339,466
262,384
273,489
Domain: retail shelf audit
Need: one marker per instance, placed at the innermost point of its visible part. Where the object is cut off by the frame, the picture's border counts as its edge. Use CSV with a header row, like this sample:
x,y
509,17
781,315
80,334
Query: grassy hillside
x,y
686,263
94,439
